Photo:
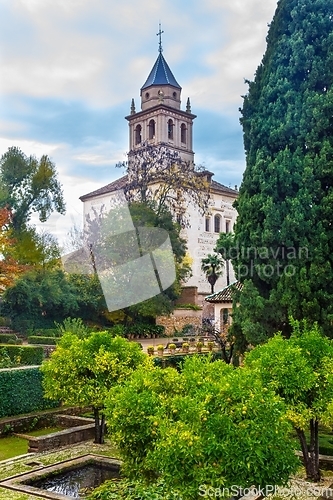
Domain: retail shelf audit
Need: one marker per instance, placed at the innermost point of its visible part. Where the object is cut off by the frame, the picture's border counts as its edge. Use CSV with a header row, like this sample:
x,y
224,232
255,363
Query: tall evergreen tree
x,y
284,230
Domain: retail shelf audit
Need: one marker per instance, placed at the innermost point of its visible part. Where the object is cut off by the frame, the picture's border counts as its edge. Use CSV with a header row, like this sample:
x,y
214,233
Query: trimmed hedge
x,y
45,332
176,361
21,391
9,338
27,354
42,340
144,330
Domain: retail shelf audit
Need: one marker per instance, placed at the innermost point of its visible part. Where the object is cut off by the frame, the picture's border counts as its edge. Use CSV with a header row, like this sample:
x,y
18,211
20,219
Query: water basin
x,y
77,482
70,479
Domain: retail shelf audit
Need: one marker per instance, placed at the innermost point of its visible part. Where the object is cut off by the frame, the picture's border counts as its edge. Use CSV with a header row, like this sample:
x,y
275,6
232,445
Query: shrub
x,y
145,330
45,332
28,394
42,340
9,338
4,321
27,355
73,325
116,331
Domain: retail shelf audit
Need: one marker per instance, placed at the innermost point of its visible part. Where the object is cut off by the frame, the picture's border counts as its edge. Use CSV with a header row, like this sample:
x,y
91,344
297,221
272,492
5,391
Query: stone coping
x,y
17,482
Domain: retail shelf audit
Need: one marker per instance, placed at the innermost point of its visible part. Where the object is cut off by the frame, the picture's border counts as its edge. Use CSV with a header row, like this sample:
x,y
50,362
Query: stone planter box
x,y
62,438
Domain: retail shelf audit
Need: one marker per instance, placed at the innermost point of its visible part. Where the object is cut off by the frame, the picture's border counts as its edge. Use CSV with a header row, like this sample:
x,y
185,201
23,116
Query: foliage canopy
x,y
284,227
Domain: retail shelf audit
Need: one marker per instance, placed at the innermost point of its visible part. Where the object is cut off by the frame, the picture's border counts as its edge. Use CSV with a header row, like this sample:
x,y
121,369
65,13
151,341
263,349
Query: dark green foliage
x,y
145,330
177,360
9,338
38,339
134,490
284,234
89,296
28,393
29,185
24,354
39,298
45,332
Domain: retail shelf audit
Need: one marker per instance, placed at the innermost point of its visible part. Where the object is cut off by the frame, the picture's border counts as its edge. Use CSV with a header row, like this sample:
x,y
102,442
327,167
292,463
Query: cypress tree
x,y
284,230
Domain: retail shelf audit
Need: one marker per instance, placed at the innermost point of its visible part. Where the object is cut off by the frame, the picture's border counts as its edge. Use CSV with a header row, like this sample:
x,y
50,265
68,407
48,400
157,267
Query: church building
x,y
161,121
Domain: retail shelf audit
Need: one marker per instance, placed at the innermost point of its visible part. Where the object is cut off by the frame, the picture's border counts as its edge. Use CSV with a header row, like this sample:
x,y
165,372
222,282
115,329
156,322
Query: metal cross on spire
x,y
160,42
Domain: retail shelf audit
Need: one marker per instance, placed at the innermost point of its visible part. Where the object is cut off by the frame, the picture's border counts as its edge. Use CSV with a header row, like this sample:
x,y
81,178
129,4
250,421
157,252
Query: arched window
x,y
151,129
207,224
138,134
227,226
217,223
170,129
183,133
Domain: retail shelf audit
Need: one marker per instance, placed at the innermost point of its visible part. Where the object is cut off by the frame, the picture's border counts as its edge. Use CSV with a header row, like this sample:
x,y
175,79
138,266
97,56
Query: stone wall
x,y
38,420
178,319
61,438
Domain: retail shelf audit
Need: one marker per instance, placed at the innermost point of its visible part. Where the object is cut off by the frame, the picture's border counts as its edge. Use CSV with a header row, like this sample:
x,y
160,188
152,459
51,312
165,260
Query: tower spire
x,y
159,34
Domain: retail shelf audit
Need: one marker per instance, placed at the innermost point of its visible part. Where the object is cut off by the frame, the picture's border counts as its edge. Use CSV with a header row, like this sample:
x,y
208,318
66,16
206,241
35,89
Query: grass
x,y
43,432
12,446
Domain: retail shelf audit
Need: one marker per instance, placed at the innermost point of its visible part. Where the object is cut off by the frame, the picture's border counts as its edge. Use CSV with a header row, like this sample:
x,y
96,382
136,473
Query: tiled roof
x,y
121,183
221,187
161,74
109,188
225,295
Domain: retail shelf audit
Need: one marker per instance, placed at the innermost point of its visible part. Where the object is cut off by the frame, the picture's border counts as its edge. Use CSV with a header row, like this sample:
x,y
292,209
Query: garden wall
x,y
61,438
38,420
178,319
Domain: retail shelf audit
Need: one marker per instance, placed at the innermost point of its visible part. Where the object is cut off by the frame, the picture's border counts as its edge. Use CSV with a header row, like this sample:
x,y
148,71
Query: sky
x,y
69,69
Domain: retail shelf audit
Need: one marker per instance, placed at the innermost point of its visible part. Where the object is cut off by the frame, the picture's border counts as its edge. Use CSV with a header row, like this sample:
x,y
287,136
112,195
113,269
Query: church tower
x,y
161,121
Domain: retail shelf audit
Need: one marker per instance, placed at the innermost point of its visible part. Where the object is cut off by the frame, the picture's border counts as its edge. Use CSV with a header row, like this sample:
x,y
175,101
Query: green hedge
x,y
9,338
45,332
175,361
28,355
42,340
144,330
21,392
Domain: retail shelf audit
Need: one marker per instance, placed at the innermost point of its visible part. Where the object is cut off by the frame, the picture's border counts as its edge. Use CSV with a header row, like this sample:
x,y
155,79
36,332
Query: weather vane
x,y
160,42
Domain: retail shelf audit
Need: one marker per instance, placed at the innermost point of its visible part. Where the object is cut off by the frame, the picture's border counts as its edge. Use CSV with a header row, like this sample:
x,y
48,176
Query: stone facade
x,y
178,319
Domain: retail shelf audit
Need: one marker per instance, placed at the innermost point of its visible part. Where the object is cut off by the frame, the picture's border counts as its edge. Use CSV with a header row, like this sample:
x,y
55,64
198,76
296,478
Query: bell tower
x,y
161,121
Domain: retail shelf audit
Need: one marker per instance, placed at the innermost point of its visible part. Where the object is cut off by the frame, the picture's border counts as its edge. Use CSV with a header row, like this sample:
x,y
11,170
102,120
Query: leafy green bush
x,y
133,490
5,361
28,394
145,330
45,332
42,340
209,424
9,338
27,355
73,325
192,307
4,321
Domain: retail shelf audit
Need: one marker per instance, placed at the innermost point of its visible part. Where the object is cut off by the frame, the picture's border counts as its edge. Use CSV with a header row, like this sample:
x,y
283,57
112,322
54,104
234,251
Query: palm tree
x,y
224,246
212,266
